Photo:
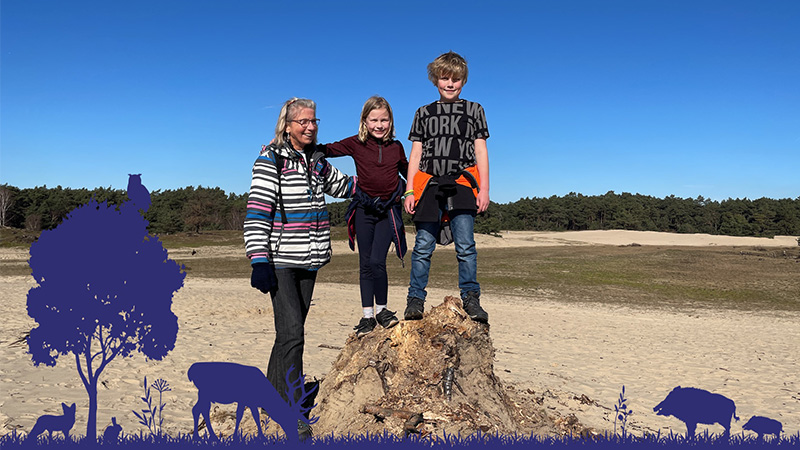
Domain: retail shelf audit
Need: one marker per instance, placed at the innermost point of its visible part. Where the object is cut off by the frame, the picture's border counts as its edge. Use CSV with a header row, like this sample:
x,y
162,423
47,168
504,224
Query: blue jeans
x,y
461,224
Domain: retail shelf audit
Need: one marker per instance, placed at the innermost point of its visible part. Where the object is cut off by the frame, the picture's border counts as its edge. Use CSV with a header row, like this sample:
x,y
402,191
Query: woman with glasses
x,y
287,231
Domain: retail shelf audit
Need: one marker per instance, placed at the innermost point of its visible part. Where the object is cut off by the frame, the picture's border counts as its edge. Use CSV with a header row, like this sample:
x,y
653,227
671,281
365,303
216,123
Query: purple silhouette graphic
x,y
50,423
147,417
112,432
105,289
763,425
137,193
224,382
693,406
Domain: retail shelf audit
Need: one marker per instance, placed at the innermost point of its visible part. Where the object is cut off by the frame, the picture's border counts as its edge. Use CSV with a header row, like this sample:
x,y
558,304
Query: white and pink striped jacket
x,y
298,236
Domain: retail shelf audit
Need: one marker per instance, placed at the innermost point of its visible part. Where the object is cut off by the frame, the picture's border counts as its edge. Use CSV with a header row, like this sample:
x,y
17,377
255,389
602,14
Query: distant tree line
x,y
732,217
186,209
197,209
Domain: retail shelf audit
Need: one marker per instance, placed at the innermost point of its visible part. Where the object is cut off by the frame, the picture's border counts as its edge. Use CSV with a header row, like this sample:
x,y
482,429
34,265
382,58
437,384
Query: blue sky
x,y
661,98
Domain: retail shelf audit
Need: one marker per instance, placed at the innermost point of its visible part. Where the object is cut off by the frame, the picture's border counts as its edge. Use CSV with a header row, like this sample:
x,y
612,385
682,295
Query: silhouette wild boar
x,y
693,406
224,382
763,425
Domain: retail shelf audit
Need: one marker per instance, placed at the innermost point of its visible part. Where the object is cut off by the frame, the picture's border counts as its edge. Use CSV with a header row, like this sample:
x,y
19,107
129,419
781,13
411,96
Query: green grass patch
x,y
739,278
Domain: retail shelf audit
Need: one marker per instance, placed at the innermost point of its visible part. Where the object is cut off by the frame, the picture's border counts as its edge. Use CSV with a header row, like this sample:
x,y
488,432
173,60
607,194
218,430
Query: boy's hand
x,y
408,204
483,200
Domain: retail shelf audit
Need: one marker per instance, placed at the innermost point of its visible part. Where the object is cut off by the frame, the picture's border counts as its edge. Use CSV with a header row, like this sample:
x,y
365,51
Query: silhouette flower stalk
x,y
161,386
621,413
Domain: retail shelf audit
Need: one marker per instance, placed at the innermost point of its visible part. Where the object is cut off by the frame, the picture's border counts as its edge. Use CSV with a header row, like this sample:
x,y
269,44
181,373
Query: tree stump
x,y
430,376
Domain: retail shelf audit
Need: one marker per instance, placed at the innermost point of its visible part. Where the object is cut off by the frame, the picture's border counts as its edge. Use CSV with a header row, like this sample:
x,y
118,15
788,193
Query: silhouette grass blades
x,y
385,441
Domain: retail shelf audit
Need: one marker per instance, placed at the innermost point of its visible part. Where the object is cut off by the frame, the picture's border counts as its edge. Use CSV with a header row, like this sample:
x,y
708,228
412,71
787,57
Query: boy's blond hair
x,y
373,103
289,112
448,64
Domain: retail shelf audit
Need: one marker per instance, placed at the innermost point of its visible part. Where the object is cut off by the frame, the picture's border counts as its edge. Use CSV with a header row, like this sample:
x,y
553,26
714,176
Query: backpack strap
x,y
279,161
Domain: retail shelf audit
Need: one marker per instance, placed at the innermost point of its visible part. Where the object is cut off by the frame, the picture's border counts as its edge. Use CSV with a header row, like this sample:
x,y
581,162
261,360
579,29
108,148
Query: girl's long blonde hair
x,y
289,112
373,103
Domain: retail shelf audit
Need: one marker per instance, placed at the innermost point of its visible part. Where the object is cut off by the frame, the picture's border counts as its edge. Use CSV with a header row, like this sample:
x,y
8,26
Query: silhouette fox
x,y
50,423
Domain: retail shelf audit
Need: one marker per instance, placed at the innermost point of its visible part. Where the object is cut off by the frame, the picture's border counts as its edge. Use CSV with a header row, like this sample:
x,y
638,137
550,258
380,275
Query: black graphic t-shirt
x,y
448,132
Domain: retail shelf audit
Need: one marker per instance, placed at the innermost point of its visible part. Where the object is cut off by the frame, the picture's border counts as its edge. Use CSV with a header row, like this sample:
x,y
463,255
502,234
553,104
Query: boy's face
x,y
449,88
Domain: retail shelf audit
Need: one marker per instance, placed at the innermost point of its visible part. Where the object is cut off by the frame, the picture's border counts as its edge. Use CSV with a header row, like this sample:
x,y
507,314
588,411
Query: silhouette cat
x,y
50,423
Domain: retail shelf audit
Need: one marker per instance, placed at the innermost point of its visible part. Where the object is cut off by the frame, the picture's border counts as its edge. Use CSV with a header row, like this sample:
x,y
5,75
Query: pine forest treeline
x,y
198,209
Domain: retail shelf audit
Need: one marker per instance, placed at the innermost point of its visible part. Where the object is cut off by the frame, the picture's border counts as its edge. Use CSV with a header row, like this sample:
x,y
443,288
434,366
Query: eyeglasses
x,y
306,122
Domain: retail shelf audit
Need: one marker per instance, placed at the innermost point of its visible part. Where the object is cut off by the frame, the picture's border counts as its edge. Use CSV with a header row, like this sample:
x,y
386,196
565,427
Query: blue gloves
x,y
263,277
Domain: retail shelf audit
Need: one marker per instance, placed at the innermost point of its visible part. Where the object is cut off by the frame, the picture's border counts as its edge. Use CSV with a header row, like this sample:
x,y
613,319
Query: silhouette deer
x,y
50,423
224,382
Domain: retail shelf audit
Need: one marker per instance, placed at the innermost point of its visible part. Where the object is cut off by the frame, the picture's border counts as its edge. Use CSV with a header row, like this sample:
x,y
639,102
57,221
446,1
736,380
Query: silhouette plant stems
x,y
148,416
621,413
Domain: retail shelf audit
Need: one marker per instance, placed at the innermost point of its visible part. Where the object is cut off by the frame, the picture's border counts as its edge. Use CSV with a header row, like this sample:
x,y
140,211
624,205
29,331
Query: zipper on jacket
x,y
380,153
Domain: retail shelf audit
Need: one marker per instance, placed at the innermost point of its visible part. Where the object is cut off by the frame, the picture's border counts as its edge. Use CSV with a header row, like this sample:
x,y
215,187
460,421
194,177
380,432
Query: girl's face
x,y
300,134
378,123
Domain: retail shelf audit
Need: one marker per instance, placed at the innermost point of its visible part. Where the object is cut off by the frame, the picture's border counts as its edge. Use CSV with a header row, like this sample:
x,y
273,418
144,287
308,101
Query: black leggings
x,y
374,236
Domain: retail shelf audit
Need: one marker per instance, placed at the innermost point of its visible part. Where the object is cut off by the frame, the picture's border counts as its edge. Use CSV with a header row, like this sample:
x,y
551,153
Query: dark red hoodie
x,y
378,164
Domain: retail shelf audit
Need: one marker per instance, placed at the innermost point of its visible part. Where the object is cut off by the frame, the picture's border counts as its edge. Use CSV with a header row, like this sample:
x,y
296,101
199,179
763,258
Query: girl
x,y
375,212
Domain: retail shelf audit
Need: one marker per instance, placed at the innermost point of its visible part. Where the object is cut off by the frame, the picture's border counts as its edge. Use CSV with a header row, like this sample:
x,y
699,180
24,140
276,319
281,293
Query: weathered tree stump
x,y
434,375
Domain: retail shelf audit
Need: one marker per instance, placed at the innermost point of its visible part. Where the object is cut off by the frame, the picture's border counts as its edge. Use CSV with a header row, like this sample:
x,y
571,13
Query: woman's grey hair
x,y
289,112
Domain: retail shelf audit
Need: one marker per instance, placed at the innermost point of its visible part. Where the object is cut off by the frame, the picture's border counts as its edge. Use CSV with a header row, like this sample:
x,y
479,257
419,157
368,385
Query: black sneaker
x,y
386,318
414,309
472,305
304,431
365,325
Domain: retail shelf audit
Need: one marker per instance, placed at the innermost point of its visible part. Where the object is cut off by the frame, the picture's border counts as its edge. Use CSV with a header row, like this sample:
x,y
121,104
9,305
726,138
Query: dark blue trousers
x,y
373,236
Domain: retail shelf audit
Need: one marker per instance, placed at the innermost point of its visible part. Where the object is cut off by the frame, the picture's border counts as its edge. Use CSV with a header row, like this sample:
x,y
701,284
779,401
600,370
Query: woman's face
x,y
300,135
378,123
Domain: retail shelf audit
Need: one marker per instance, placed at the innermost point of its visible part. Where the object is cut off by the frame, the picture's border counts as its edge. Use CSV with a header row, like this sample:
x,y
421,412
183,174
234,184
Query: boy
x,y
448,180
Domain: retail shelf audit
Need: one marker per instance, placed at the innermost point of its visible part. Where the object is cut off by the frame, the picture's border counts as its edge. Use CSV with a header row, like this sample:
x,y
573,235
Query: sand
x,y
561,351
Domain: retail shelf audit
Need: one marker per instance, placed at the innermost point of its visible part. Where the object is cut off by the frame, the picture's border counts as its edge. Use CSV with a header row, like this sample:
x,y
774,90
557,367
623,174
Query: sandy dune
x,y
562,351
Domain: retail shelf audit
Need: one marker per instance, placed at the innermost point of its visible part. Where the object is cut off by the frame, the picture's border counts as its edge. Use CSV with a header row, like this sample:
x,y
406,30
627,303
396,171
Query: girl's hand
x,y
408,204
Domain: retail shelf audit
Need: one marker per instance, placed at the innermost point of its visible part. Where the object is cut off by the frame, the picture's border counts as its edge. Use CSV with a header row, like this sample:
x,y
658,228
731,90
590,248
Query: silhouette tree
x,y
105,289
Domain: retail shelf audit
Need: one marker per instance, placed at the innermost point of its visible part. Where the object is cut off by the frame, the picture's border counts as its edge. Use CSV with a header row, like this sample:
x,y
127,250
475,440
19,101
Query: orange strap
x,y
421,180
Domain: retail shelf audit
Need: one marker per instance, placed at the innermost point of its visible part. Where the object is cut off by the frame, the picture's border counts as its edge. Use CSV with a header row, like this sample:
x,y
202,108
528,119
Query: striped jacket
x,y
303,239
